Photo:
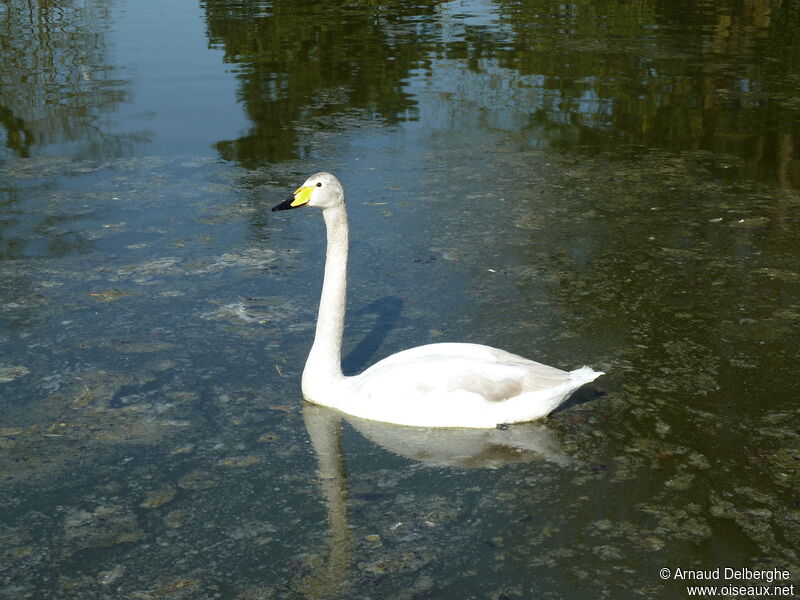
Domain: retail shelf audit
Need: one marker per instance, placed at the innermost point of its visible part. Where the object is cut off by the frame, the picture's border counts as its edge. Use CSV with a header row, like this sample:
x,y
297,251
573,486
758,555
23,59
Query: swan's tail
x,y
584,375
540,403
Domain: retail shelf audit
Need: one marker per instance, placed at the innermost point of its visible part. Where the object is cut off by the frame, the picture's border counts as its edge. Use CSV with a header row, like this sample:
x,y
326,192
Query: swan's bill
x,y
301,197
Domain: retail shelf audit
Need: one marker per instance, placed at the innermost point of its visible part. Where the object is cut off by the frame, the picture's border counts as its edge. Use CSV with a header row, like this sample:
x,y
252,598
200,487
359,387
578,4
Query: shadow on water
x,y
584,396
388,312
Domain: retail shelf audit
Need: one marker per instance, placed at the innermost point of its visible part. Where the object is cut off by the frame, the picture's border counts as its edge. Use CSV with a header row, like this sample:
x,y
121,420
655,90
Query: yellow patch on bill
x,y
302,195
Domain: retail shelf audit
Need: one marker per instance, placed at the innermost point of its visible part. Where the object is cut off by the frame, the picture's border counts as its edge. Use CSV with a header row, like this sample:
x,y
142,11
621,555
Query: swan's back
x,y
459,385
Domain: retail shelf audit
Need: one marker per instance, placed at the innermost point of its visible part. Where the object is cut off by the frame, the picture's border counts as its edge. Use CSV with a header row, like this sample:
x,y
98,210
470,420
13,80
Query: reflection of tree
x,y
56,89
57,83
302,63
720,76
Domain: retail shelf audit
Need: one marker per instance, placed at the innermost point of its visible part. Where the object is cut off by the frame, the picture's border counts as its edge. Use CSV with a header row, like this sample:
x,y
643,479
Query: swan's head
x,y
322,190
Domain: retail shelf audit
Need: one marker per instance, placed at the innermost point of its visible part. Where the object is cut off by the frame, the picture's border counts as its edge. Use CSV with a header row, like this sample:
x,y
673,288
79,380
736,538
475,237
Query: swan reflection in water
x,y
435,447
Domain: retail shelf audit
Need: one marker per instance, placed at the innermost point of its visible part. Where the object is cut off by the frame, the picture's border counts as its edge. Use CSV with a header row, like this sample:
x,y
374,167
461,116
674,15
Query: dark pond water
x,y
612,183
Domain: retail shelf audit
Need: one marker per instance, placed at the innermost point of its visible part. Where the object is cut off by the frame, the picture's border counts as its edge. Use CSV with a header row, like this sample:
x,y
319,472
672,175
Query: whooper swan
x,y
437,385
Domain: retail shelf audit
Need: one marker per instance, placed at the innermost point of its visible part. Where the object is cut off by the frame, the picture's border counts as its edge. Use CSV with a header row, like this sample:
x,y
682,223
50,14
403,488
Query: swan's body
x,y
437,385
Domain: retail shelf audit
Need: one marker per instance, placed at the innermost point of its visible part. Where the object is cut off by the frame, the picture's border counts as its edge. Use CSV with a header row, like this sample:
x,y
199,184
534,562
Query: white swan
x,y
437,385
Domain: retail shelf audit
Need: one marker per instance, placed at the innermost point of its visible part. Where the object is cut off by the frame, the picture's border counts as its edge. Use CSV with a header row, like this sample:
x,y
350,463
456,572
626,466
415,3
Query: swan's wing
x,y
491,373
458,385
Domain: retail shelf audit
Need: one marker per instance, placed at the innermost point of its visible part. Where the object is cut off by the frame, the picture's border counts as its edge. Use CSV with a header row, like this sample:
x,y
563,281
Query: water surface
x,y
600,183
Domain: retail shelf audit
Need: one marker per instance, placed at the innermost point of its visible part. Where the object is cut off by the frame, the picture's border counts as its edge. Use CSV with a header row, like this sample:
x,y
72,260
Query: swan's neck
x,y
324,364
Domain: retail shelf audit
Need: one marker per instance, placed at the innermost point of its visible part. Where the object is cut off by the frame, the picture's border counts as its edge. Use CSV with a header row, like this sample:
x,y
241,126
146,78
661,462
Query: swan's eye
x,y
319,184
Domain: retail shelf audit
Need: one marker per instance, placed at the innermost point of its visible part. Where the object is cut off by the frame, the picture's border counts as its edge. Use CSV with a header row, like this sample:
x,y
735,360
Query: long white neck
x,y
324,363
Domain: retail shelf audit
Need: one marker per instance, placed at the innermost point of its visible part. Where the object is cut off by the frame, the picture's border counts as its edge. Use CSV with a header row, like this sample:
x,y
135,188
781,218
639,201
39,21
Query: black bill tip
x,y
285,205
